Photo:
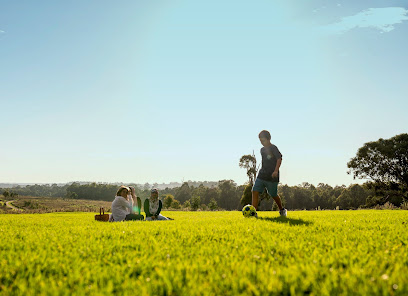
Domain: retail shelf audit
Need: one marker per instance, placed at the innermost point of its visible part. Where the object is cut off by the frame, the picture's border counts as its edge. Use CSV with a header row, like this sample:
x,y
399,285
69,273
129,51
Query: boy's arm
x,y
276,171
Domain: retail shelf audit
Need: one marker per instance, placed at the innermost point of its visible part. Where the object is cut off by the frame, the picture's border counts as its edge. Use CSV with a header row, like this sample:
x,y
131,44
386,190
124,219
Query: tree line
x,y
228,195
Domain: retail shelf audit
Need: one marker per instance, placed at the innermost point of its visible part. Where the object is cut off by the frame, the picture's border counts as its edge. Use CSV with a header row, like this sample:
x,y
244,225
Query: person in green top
x,y
153,206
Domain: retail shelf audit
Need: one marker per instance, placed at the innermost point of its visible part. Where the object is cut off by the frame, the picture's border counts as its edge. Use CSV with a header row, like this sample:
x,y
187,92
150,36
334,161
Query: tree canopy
x,y
384,161
248,162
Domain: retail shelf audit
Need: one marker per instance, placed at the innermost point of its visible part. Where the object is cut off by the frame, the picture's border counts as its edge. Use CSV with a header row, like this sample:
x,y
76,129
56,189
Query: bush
x,y
246,197
168,201
176,205
213,205
388,206
195,203
187,205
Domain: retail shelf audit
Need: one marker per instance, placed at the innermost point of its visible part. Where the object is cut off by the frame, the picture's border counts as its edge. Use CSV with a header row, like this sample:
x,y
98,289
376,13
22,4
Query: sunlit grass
x,y
217,253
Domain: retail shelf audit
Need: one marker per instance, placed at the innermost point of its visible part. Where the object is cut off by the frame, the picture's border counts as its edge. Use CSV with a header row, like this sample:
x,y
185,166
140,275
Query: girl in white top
x,y
122,205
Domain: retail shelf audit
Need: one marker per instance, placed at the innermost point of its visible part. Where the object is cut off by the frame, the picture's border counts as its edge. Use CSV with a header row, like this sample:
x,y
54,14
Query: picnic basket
x,y
102,216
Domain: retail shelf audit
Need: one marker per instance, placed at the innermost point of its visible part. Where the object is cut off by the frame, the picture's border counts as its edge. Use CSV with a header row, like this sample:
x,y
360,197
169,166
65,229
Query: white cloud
x,y
1,31
382,19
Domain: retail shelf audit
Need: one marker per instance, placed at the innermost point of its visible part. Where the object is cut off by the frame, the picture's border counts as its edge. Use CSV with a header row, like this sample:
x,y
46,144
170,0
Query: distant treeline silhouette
x,y
228,195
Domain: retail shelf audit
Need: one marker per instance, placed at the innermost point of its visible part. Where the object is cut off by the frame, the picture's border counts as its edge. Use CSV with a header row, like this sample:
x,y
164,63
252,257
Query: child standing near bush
x,y
268,176
153,206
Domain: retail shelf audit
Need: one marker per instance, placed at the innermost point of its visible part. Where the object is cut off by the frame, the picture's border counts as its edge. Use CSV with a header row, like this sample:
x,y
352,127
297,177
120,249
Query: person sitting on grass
x,y
153,206
122,205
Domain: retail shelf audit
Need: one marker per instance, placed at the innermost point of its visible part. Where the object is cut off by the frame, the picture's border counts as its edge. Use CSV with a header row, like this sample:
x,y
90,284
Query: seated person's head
x,y
154,194
123,191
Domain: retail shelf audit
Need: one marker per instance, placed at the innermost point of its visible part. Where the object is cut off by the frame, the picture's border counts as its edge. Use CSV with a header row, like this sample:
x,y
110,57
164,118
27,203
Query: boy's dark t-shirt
x,y
270,156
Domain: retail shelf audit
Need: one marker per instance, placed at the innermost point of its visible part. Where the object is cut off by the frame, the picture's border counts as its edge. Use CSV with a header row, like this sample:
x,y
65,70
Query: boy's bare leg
x,y
255,199
277,199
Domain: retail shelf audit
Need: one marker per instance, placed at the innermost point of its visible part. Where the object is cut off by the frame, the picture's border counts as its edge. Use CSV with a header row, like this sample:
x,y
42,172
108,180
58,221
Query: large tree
x,y
248,162
384,161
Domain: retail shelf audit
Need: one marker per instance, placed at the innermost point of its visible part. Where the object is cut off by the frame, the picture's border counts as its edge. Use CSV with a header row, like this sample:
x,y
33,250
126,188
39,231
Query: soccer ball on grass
x,y
249,211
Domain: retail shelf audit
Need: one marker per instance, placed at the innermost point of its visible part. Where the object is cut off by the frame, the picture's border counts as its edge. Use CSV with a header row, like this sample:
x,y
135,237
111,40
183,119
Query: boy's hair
x,y
265,134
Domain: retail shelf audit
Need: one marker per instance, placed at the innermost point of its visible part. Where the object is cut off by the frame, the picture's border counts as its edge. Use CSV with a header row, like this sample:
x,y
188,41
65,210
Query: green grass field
x,y
206,253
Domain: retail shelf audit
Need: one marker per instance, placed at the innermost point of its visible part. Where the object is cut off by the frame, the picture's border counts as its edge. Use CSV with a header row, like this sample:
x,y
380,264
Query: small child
x,y
268,176
153,206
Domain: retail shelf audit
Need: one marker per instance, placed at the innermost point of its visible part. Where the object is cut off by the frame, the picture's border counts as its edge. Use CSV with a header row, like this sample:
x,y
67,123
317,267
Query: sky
x,y
162,91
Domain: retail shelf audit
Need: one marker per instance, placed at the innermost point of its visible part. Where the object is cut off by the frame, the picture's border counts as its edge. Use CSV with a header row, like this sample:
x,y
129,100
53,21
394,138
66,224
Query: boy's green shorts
x,y
271,187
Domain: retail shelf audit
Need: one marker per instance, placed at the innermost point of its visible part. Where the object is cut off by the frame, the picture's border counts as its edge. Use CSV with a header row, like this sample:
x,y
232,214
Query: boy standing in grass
x,y
268,176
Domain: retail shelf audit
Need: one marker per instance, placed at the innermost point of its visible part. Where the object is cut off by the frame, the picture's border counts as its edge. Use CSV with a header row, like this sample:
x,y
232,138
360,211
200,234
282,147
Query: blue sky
x,y
160,91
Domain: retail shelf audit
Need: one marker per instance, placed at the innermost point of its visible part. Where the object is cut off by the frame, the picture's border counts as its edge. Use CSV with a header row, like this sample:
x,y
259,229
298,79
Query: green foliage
x,y
246,195
229,195
183,193
248,162
382,161
187,205
92,191
72,195
45,190
352,197
176,205
213,205
388,191
206,253
168,201
195,203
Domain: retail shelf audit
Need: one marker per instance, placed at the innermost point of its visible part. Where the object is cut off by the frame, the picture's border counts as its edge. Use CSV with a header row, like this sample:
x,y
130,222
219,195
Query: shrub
x,y
175,204
213,205
388,206
195,203
187,205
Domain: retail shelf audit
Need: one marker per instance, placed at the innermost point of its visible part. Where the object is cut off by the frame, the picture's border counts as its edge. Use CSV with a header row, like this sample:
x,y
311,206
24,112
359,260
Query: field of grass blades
x,y
206,253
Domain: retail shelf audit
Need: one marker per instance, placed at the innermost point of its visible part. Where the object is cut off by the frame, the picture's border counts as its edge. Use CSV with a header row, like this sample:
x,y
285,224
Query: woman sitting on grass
x,y
153,206
122,205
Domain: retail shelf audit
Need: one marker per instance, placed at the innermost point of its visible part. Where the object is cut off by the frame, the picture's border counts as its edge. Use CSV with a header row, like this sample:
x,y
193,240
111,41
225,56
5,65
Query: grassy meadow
x,y
30,204
206,253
